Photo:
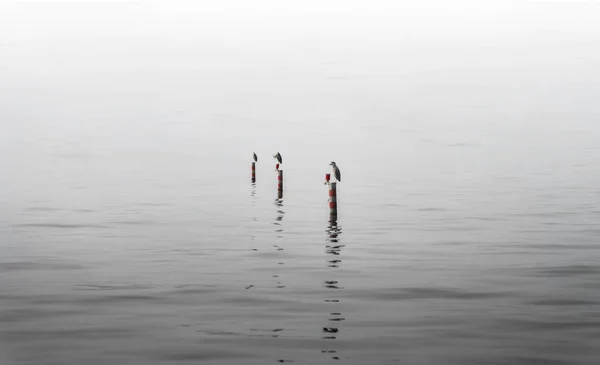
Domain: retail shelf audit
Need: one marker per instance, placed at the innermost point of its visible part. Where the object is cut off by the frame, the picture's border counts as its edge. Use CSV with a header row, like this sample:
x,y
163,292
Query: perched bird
x,y
278,157
255,157
336,171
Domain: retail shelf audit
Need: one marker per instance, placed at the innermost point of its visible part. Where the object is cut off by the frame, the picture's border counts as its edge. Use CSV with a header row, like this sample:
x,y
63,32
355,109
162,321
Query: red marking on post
x,y
327,177
277,166
333,198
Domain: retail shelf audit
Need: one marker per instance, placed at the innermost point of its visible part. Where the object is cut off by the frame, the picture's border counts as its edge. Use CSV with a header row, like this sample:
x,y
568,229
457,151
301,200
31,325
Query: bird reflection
x,y
333,248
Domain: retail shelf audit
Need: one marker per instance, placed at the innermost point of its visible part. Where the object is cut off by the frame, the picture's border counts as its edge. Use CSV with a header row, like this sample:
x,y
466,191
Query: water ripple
x,y
567,270
60,225
23,266
427,293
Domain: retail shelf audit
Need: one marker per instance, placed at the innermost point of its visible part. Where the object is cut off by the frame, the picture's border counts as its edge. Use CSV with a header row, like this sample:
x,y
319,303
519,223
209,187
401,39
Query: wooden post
x,y
280,181
253,172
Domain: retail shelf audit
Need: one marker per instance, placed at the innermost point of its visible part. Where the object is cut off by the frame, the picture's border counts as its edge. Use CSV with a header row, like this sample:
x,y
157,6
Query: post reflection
x,y
254,217
280,214
278,222
333,249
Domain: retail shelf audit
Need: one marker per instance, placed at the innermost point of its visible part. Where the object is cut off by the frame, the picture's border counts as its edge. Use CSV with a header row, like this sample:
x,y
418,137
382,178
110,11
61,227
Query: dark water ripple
x,y
428,293
29,266
568,270
564,302
61,225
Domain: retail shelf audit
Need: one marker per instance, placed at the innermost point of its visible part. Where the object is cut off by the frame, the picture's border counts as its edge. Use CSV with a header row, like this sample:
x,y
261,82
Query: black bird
x,y
336,171
255,157
278,157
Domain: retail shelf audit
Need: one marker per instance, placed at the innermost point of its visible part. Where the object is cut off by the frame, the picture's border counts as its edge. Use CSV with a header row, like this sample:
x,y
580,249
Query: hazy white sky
x,y
310,66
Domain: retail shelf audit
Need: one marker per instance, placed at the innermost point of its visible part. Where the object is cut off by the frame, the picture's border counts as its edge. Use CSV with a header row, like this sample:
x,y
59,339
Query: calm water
x,y
455,255
468,228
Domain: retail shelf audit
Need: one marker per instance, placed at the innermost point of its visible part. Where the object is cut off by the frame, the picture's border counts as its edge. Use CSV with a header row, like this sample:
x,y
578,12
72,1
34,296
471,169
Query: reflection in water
x,y
333,248
254,217
279,230
280,213
279,234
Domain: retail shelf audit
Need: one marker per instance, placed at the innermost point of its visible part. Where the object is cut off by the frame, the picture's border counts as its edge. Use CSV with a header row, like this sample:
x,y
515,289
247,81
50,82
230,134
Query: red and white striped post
x,y
253,172
332,195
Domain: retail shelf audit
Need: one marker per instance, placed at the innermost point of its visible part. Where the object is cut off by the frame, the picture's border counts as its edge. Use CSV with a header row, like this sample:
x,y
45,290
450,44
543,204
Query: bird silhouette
x,y
336,171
